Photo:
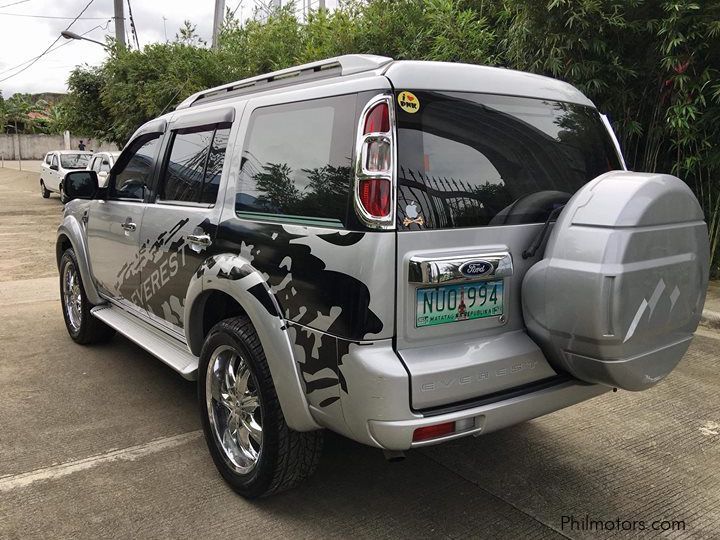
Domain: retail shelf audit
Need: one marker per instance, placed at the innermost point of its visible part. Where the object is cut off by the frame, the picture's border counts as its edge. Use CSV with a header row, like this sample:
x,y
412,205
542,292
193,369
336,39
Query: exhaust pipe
x,y
394,456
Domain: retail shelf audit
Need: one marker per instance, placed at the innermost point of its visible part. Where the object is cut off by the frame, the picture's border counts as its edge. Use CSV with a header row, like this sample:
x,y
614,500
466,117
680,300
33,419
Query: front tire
x,y
81,325
63,198
253,448
45,192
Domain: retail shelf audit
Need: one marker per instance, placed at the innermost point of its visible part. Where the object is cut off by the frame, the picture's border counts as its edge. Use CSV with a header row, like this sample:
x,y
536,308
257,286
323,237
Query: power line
x,y
56,48
132,25
14,4
52,17
49,46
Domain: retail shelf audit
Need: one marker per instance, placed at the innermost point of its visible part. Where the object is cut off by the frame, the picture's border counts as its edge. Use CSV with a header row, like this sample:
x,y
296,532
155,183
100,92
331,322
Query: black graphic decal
x,y
262,295
338,239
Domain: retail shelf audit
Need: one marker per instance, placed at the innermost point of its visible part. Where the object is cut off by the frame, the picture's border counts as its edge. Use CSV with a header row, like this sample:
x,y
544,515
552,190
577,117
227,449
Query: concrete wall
x,y
31,146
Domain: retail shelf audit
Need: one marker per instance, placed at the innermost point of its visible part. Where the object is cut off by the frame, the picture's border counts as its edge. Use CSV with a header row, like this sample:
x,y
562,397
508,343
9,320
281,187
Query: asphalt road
x,y
104,441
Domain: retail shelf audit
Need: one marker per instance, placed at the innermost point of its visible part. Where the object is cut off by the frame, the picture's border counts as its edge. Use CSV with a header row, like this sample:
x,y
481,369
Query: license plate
x,y
453,303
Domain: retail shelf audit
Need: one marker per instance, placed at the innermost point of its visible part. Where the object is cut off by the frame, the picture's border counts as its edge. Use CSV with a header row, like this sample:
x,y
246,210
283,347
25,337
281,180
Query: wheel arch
x,y
70,235
247,295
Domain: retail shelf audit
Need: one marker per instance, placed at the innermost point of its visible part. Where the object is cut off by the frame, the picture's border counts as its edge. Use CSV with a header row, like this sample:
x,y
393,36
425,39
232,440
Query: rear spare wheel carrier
x,y
620,291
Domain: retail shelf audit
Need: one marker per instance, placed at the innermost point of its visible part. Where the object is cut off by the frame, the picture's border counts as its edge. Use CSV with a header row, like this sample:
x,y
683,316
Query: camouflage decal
x,y
278,265
306,291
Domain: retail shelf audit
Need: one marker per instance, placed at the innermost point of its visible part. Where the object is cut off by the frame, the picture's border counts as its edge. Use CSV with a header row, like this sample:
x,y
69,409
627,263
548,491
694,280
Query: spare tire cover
x,y
621,287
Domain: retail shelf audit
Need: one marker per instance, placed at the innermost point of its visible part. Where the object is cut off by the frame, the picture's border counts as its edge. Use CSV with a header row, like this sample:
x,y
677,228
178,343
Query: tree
x,y
188,35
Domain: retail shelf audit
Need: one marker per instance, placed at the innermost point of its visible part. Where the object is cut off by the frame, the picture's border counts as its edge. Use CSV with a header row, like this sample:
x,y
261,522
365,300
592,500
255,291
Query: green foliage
x,y
651,65
83,111
20,114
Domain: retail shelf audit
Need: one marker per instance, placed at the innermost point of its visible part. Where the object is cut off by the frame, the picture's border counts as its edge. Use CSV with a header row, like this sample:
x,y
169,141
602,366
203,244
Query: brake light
x,y
378,119
433,432
375,196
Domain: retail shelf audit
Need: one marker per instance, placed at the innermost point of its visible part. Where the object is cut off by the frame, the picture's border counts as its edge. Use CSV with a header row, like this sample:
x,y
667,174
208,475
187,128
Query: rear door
x,y
180,222
477,177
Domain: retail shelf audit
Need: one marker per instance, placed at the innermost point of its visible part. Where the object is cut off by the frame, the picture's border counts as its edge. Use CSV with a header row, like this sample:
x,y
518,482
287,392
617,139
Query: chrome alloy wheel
x,y
72,297
233,405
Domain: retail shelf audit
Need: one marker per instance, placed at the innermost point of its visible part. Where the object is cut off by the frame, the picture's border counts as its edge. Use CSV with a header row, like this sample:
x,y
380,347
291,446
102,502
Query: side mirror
x,y
80,185
54,167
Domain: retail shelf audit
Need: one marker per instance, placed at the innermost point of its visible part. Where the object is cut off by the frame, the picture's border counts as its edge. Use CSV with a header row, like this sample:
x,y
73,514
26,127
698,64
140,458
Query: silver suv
x,y
401,252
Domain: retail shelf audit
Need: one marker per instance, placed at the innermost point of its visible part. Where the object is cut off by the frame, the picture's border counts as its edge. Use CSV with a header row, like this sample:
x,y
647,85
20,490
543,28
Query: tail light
x,y
377,119
374,175
375,196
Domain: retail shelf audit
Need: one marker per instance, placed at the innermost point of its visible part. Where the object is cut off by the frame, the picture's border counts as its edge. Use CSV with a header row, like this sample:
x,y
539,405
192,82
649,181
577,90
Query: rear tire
x,y
80,323
45,192
251,444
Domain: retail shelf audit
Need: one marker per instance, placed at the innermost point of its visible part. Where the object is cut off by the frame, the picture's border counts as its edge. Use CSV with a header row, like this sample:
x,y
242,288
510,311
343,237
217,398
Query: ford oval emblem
x,y
476,268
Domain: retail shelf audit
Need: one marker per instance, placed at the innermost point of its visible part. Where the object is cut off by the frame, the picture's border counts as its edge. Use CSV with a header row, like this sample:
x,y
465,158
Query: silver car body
x,y
334,306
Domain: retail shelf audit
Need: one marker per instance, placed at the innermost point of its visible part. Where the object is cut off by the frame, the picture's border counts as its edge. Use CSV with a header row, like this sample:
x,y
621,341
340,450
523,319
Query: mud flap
x,y
621,287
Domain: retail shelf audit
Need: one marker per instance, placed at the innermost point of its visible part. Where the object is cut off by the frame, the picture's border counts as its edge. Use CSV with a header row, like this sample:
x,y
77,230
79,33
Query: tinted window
x,y
297,160
48,158
469,160
214,166
186,165
191,175
74,161
134,173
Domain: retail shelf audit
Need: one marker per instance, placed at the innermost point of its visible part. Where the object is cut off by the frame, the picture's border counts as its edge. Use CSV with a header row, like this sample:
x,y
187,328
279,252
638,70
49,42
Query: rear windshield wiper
x,y
540,238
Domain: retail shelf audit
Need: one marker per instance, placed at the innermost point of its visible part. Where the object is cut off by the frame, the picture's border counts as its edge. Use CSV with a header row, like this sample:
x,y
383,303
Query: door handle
x,y
128,226
199,239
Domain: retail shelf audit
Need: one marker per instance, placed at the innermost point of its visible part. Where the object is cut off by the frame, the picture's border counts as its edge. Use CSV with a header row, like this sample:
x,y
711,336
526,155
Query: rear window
x,y
74,161
469,160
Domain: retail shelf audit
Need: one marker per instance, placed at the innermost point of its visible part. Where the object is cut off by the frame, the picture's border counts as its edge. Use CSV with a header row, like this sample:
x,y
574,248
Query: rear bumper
x,y
397,435
377,410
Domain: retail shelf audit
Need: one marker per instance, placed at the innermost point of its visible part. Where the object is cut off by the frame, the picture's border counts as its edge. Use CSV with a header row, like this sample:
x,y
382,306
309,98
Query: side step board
x,y
168,349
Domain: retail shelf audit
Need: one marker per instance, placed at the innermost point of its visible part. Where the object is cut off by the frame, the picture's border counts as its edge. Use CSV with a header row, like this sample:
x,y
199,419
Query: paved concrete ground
x,y
104,441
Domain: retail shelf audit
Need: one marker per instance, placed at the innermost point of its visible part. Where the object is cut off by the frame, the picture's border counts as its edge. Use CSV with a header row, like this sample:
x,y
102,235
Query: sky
x,y
24,35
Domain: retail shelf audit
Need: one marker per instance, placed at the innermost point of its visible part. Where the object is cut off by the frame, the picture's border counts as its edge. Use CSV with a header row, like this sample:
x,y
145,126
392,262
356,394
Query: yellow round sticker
x,y
408,102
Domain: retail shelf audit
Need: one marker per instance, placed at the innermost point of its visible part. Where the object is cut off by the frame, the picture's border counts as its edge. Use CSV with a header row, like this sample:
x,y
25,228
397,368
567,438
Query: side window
x,y
105,165
54,162
133,176
296,161
215,166
48,158
183,174
194,165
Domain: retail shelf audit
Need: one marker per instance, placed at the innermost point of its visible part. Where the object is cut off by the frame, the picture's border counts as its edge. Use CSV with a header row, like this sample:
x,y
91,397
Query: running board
x,y
168,349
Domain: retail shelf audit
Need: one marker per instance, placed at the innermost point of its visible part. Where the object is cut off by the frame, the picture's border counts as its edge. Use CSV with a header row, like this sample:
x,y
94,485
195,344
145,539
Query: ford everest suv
x,y
402,252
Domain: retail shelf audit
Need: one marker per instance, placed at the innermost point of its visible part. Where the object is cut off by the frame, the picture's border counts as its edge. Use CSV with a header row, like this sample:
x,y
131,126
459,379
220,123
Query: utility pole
x,y
321,4
119,22
217,21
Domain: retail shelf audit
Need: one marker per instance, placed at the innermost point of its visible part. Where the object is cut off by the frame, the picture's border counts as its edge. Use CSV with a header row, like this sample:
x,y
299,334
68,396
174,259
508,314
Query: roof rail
x,y
332,67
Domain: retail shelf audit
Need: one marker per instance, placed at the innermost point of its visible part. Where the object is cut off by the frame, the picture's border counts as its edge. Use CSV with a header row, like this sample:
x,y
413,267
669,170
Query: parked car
x,y
101,163
54,167
402,252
